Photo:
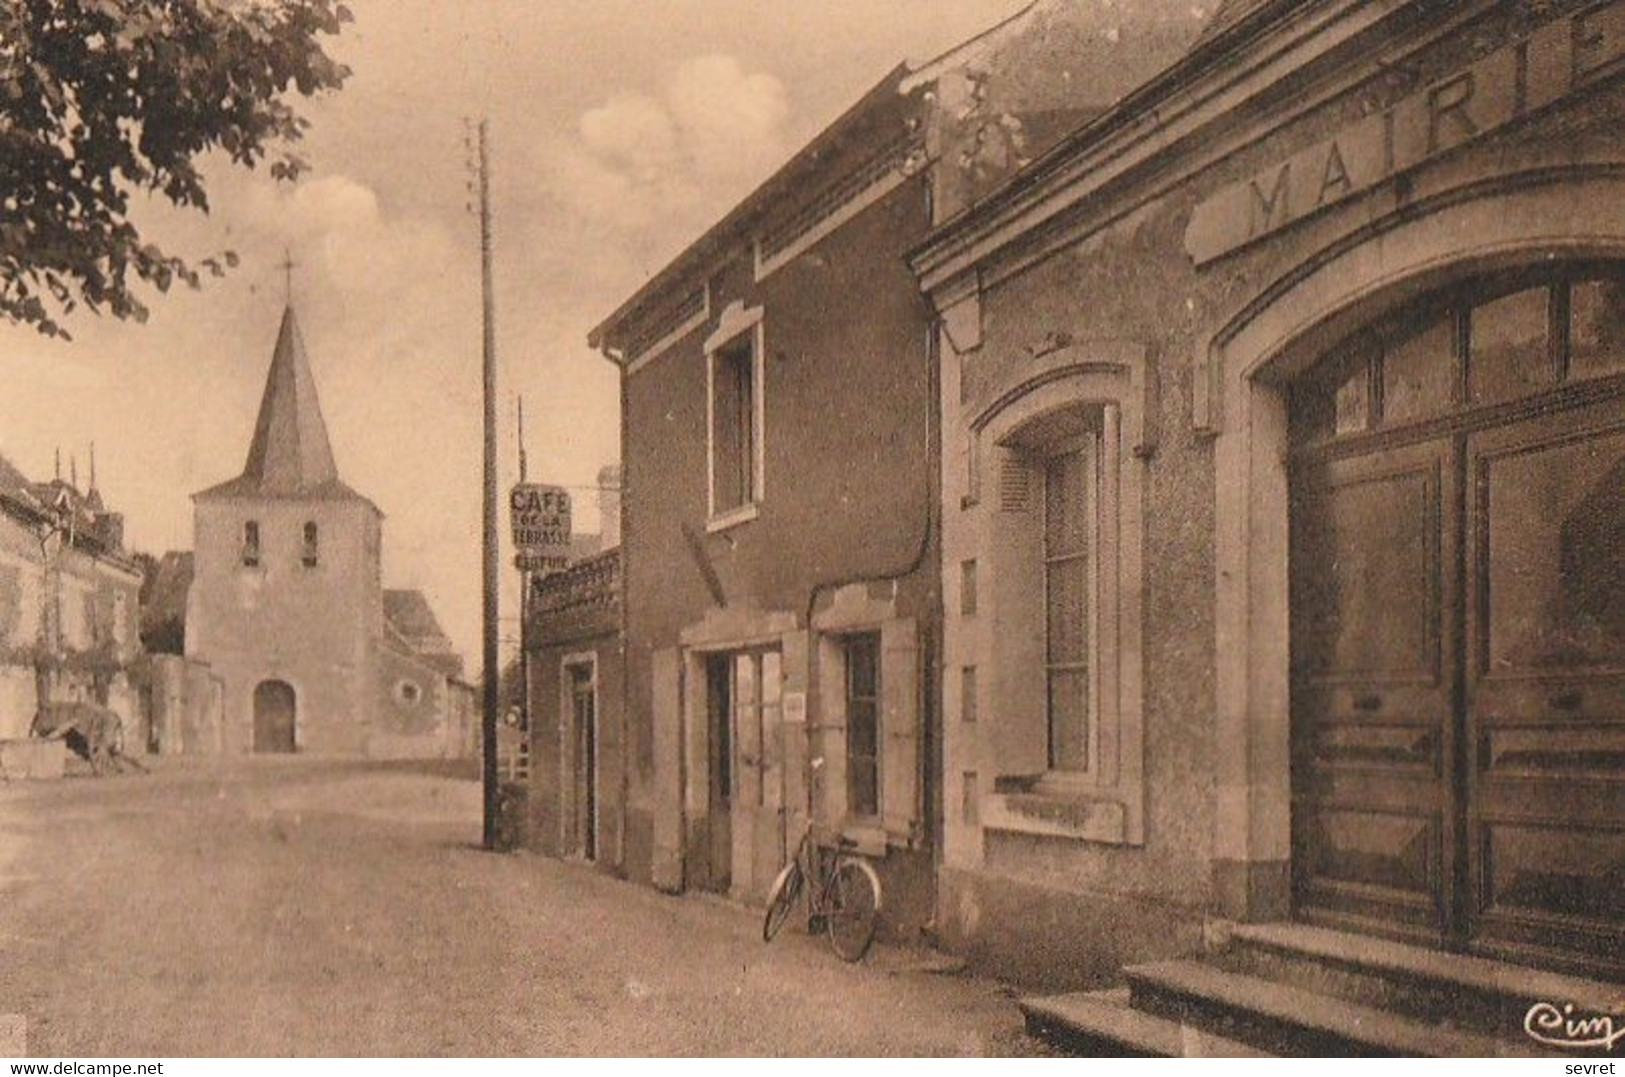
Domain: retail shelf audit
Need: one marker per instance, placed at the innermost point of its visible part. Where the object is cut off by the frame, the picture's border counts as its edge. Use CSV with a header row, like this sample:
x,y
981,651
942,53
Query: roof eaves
x,y
704,250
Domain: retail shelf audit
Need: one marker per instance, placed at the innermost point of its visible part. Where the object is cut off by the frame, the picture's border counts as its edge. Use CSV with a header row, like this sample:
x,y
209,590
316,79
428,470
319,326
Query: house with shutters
x,y
778,582
778,533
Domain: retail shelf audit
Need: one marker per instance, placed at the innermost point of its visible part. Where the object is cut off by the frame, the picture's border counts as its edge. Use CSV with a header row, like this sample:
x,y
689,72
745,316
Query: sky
x,y
619,130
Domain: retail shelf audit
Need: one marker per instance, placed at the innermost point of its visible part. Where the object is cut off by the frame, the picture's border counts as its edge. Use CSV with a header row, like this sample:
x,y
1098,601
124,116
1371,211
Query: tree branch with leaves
x,y
102,99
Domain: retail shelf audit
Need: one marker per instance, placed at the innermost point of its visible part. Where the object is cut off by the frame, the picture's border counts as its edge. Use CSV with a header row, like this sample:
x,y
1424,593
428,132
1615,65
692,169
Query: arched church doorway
x,y
1457,574
275,712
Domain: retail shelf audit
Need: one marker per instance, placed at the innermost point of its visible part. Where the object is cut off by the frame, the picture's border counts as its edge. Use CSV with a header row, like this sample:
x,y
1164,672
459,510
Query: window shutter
x,y
900,727
1012,724
666,869
1014,484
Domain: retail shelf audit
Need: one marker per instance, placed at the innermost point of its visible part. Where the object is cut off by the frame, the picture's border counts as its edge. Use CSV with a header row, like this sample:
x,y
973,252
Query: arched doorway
x,y
1457,604
275,713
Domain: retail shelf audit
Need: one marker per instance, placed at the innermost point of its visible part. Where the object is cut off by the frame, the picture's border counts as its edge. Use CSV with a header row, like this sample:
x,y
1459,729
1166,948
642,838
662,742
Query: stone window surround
x,y
853,610
1107,804
736,320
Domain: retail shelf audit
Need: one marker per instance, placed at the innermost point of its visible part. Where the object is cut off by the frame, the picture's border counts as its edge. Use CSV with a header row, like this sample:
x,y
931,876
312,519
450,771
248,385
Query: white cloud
x,y
669,163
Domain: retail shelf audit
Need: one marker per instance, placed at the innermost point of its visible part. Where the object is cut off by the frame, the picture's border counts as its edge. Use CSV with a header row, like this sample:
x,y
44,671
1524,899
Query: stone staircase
x,y
1292,989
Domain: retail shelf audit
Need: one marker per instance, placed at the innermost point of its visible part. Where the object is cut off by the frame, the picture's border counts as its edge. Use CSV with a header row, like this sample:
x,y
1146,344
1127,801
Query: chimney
x,y
609,506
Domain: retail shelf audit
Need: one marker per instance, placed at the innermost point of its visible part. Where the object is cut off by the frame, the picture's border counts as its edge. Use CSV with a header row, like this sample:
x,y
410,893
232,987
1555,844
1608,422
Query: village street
x,y
298,907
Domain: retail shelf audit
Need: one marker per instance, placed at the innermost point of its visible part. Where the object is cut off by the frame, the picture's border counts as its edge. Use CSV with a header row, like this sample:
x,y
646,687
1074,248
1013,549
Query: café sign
x,y
541,525
1559,59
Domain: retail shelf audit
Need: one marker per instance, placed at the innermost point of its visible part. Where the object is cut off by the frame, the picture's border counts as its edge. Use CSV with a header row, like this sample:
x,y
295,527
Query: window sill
x,y
732,518
1052,813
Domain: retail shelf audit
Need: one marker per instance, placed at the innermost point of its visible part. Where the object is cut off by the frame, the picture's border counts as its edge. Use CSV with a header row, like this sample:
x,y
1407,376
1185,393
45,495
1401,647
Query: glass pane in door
x,y
1556,556
1419,373
1371,611
1509,355
1597,328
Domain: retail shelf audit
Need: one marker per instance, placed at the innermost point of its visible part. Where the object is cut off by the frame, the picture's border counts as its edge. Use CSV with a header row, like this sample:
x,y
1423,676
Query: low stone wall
x,y
19,698
22,760
187,713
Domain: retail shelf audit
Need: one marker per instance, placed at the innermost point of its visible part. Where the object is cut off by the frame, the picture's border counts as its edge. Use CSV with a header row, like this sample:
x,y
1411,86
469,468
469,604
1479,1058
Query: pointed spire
x,y
93,496
290,453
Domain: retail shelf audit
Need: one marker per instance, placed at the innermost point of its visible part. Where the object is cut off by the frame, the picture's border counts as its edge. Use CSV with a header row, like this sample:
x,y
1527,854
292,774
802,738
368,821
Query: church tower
x,y
286,603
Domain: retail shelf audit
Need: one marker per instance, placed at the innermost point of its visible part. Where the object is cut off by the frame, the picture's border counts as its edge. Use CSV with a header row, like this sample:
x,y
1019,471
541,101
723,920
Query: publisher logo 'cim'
x,y
1559,1026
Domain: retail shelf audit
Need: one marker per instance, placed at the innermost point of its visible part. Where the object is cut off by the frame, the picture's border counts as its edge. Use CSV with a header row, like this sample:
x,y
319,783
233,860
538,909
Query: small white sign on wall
x,y
795,708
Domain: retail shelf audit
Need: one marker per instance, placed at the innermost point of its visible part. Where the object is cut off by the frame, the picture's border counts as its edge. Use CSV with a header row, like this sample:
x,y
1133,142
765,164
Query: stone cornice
x,y
1172,121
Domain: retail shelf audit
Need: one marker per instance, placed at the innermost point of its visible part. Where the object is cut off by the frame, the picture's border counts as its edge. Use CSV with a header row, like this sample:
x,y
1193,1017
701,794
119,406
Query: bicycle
x,y
845,902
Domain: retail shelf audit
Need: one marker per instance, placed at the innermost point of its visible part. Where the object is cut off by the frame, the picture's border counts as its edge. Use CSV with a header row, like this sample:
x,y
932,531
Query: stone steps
x,y
1474,992
1286,1019
1104,1023
1290,989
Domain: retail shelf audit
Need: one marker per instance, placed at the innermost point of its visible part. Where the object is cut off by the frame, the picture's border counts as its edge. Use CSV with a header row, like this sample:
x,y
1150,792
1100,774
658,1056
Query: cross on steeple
x,y
287,266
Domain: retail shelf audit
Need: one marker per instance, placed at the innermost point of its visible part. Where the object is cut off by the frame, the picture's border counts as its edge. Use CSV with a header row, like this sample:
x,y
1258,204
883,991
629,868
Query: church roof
x,y
409,613
290,455
415,631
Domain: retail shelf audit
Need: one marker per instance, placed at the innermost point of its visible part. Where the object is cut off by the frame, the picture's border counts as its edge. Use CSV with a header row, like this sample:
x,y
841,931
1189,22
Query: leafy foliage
x,y
100,99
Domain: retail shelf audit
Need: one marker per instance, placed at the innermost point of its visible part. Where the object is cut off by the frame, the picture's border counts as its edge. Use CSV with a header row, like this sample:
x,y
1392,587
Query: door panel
x,y
767,821
1373,660
1545,683
747,769
718,866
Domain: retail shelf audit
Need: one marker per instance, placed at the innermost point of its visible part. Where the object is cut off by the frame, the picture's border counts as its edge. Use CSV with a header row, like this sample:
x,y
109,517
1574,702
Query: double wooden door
x,y
1458,634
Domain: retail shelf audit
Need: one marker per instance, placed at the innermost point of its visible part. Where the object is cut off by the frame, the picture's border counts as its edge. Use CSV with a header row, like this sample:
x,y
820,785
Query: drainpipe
x,y
624,723
900,571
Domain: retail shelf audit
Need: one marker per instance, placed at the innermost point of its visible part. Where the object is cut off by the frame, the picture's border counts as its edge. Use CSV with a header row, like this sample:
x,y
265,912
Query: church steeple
x,y
290,453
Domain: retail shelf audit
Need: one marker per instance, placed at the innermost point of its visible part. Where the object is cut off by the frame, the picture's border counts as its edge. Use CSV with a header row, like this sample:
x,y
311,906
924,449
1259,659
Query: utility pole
x,y
489,718
524,600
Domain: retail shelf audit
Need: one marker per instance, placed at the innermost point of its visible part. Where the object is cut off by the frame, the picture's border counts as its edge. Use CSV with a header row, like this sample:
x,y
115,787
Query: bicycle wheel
x,y
852,901
781,899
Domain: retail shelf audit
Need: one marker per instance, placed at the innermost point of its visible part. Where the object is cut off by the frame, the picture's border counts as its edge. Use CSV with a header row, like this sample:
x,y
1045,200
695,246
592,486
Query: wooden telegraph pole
x,y
524,599
489,718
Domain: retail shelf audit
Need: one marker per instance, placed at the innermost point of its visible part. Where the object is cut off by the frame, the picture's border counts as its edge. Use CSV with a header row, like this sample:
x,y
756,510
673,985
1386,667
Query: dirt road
x,y
305,908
